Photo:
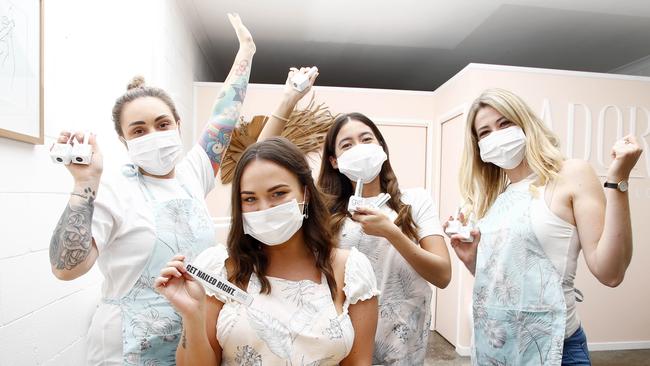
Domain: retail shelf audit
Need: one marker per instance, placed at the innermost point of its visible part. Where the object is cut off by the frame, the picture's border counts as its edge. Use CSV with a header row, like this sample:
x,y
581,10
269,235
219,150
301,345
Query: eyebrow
x,y
160,117
343,140
486,126
142,122
268,190
136,123
360,135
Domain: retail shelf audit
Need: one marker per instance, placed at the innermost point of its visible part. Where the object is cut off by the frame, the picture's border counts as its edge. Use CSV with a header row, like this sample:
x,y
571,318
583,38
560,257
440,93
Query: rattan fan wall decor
x,y
306,128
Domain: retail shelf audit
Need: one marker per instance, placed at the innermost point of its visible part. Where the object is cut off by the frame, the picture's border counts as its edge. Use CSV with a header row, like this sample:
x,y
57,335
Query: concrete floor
x,y
440,352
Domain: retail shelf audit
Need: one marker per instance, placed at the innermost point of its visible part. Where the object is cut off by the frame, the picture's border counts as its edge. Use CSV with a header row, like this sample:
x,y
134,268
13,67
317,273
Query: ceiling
x,y
416,44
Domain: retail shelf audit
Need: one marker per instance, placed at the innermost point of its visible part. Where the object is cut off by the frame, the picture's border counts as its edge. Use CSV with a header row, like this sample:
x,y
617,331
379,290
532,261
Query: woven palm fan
x,y
306,129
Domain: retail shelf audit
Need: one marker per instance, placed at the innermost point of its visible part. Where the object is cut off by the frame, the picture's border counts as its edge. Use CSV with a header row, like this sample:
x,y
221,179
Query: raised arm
x,y
227,108
290,98
603,220
72,248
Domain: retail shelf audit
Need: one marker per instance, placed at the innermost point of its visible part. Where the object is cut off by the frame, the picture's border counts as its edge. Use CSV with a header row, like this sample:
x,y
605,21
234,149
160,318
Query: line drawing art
x,y
21,107
9,41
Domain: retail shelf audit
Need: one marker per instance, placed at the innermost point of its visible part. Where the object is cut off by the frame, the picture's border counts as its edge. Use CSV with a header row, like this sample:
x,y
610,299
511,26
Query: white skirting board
x,y
464,351
618,346
598,346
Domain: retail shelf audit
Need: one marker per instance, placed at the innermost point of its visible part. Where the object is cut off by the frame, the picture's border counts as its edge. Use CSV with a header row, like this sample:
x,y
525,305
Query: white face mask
x,y
504,148
156,153
275,225
362,161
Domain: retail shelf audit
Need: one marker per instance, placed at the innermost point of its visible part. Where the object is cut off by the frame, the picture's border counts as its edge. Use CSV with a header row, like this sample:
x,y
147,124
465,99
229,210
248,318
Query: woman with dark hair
x,y
403,240
312,303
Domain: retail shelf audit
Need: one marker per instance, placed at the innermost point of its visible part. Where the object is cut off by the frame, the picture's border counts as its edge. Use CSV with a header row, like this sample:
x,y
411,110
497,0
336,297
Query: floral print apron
x,y
151,328
519,307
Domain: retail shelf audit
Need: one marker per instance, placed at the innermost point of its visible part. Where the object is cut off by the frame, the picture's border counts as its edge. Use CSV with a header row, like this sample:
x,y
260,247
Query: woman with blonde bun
x,y
537,211
132,223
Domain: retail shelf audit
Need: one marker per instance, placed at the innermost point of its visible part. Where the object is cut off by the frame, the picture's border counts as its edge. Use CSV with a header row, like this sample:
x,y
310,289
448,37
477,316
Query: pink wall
x,y
404,117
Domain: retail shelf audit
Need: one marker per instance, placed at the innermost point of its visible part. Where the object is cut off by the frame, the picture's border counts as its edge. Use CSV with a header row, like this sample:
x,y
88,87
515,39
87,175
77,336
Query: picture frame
x,y
21,70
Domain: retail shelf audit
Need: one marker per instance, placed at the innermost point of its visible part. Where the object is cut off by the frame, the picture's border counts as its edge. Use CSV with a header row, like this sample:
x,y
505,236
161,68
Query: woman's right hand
x,y
244,36
465,251
176,285
85,174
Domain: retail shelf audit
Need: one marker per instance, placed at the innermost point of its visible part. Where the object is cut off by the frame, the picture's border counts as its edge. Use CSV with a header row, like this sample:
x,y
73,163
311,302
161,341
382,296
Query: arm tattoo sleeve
x,y
72,239
225,113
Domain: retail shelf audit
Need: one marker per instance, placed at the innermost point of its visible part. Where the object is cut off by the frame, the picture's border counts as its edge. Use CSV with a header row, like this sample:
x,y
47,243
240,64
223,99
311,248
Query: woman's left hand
x,y
626,153
245,38
292,95
374,222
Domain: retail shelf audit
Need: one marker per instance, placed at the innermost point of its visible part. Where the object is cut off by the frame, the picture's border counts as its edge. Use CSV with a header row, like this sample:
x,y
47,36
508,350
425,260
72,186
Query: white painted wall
x,y
640,67
92,49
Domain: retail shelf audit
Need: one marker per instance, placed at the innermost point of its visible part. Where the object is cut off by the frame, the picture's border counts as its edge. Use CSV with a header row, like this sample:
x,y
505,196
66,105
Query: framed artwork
x,y
21,70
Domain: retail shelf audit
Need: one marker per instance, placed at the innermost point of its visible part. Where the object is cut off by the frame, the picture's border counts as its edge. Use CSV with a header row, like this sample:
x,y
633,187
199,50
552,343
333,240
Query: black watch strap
x,y
610,185
621,186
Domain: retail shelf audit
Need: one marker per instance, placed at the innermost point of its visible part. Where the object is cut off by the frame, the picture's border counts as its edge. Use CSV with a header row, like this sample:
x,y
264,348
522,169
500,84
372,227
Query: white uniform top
x,y
405,301
560,242
123,228
296,324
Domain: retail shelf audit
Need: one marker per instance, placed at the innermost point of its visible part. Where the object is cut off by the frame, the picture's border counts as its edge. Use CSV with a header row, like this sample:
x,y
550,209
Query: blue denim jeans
x,y
575,350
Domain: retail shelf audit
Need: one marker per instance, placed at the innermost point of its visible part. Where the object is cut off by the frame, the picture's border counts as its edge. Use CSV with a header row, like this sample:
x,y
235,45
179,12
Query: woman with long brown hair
x,y
311,302
403,240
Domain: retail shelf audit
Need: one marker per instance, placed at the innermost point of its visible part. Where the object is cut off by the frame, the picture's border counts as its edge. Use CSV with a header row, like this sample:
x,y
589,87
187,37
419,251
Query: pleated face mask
x,y
504,148
274,225
362,161
156,153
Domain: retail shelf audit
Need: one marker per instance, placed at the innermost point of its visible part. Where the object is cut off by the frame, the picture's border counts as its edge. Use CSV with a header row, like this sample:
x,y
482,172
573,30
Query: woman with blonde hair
x,y
537,210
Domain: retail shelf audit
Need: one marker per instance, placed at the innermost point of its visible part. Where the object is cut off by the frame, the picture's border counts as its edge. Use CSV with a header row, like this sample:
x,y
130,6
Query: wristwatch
x,y
621,186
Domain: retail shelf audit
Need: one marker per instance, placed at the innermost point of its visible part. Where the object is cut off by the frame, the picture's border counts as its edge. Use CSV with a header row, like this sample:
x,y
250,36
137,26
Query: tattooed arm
x,y
227,108
72,248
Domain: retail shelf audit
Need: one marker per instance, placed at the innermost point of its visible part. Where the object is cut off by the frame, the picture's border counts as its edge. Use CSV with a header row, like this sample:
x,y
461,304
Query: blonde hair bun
x,y
136,82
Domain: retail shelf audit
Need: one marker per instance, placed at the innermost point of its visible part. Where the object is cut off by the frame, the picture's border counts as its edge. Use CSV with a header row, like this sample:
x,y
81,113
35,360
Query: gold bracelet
x,y
280,118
